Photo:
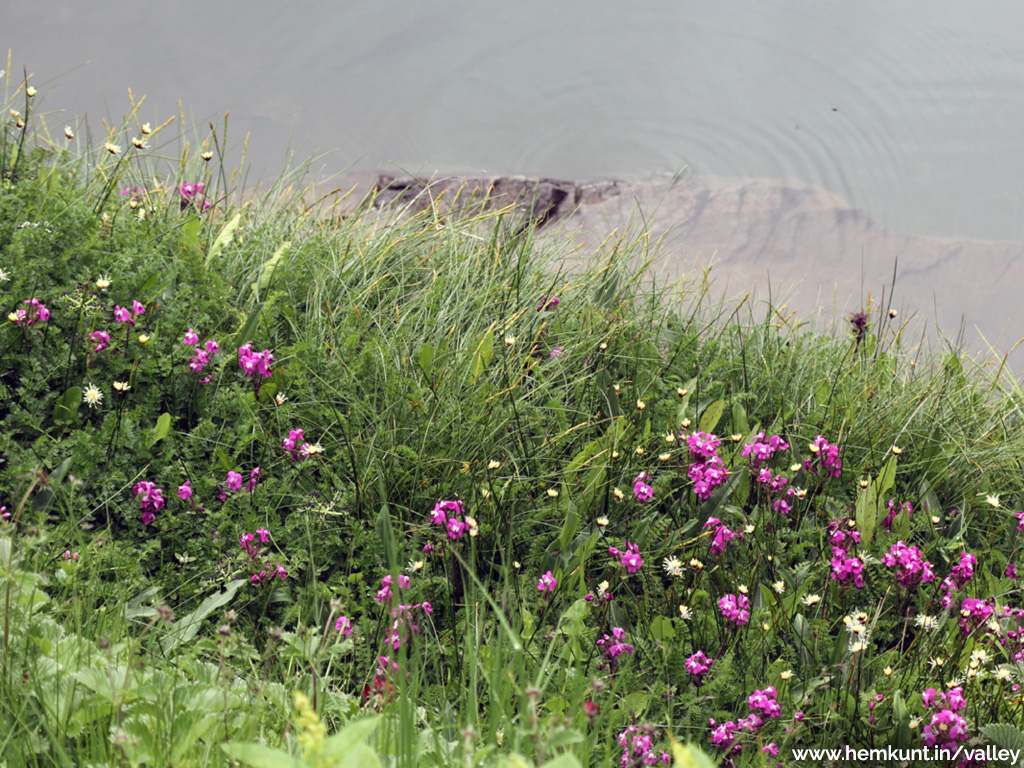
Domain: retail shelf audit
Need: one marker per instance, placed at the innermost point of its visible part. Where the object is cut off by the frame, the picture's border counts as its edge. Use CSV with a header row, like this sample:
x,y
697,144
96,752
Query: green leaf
x,y
740,425
66,410
224,238
188,627
245,333
867,513
689,756
162,428
341,744
270,266
1006,736
426,358
569,526
482,356
712,415
662,629
259,756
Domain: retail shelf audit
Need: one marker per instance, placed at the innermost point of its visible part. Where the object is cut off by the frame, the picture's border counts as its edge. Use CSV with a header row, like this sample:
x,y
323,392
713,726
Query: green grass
x,y
423,361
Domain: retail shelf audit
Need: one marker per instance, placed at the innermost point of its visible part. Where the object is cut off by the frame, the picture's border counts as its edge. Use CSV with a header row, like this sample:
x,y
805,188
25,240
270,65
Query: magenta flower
x,y
630,559
546,303
764,702
123,315
735,608
912,569
343,625
151,500
254,363
254,477
556,352
547,583
36,313
616,645
642,491
102,339
191,338
698,665
384,593
184,491
138,308
234,481
264,535
212,348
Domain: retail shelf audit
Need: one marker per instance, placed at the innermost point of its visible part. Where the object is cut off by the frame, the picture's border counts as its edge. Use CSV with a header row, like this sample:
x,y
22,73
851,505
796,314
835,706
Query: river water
x,y
908,111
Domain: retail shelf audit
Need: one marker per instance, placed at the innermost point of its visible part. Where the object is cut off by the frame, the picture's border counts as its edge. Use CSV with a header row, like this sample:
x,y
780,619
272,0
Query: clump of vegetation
x,y
284,487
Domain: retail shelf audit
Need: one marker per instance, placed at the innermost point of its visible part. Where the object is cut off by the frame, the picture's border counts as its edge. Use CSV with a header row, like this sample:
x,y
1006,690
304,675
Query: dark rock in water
x,y
538,202
797,240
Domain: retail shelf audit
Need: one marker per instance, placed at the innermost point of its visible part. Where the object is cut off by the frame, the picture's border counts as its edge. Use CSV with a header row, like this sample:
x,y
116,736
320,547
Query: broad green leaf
x,y
188,627
426,358
662,629
482,356
867,512
259,756
689,755
224,238
270,266
66,410
338,746
162,428
245,333
712,415
569,526
740,425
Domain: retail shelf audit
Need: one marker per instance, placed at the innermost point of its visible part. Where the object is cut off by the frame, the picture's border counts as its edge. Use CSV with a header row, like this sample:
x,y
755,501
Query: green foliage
x,y
427,363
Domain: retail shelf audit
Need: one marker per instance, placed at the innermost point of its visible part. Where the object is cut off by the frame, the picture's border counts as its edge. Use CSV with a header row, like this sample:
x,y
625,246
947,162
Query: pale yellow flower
x,y
68,133
112,148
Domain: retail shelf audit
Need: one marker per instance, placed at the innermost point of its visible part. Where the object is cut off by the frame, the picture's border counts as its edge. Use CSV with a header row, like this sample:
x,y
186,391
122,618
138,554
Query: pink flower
x,y
698,665
138,307
630,559
264,535
343,625
191,338
102,338
212,348
254,477
547,583
234,481
641,490
36,313
122,315
735,608
184,491
384,593
279,571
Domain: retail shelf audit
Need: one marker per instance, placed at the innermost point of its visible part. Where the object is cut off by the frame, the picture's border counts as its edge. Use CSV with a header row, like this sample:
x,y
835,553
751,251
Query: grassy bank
x,y
286,487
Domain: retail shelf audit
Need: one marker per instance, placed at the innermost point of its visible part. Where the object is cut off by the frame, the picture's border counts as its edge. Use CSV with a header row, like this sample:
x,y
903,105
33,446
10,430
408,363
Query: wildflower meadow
x,y
289,480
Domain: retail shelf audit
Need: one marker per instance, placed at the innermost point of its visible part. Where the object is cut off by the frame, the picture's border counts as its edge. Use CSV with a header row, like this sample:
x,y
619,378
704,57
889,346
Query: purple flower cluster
x,y
102,339
825,456
234,481
962,573
974,614
698,665
202,356
723,535
547,303
451,515
547,582
124,315
735,608
384,593
762,450
911,568
764,702
615,646
637,745
946,728
706,470
255,362
192,194
845,566
630,559
404,623
251,548
36,313
642,490
151,500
